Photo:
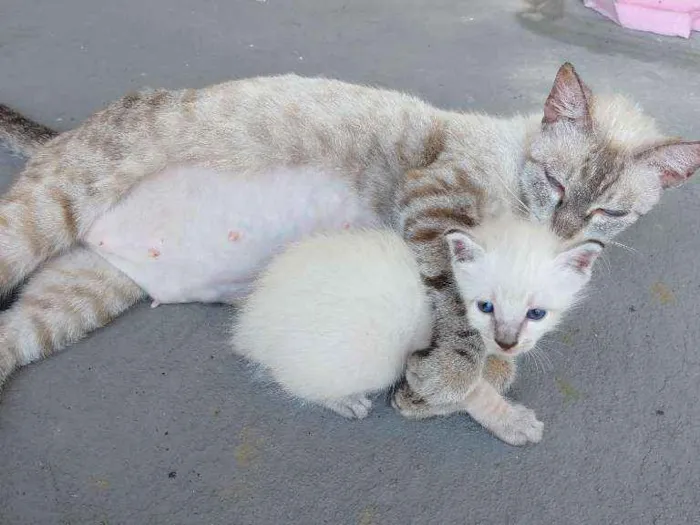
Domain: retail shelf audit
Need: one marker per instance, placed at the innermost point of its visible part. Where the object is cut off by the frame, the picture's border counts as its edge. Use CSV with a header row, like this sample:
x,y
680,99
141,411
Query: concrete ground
x,y
152,421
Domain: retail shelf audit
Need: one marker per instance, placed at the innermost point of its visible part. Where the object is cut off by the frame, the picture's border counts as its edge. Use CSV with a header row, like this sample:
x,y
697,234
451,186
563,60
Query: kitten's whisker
x,y
552,349
546,365
533,356
546,358
529,358
543,365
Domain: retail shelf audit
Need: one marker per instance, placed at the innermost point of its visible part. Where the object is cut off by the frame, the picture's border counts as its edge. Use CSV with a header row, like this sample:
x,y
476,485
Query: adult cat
x,y
591,167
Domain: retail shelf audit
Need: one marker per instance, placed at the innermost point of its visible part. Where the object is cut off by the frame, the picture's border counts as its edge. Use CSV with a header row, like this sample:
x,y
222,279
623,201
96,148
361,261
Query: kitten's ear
x,y
675,162
463,248
568,100
581,258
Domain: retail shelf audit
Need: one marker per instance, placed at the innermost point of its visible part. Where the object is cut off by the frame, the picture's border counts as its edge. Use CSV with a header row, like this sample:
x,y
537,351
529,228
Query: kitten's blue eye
x,y
536,314
485,306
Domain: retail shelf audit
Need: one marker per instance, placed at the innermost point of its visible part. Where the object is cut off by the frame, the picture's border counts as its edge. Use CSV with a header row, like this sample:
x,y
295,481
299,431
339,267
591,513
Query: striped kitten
x,y
274,159
334,317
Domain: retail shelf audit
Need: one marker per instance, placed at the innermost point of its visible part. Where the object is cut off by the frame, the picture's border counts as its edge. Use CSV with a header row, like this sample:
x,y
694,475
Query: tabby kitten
x,y
591,167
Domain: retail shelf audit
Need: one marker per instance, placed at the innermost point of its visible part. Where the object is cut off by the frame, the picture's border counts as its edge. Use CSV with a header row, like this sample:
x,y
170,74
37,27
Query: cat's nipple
x,y
234,236
153,253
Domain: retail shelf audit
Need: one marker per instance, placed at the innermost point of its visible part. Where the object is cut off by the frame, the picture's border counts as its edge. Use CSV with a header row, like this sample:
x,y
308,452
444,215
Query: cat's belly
x,y
191,234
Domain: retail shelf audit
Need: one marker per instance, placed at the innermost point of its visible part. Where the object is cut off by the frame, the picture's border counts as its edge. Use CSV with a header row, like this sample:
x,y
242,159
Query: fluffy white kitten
x,y
334,317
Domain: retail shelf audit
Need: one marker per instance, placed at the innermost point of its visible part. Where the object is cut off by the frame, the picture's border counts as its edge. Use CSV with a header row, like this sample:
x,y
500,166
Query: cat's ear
x,y
463,248
581,258
568,100
674,162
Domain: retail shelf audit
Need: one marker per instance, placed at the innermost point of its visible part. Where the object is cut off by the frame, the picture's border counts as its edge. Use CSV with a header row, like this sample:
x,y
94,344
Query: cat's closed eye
x,y
558,186
609,212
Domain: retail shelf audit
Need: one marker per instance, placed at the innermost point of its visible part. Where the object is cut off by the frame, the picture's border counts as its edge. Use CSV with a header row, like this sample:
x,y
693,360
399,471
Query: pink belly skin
x,y
196,235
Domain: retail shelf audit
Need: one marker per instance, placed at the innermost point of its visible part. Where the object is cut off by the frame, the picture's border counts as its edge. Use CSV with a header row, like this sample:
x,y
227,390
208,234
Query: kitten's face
x,y
517,284
587,185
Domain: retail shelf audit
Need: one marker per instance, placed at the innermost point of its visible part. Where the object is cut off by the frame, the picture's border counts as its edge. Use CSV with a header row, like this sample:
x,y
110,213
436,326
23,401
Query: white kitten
x,y
334,317
516,282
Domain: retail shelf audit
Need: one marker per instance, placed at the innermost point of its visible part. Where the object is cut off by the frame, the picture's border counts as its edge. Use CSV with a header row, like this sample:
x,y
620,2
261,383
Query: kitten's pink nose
x,y
506,345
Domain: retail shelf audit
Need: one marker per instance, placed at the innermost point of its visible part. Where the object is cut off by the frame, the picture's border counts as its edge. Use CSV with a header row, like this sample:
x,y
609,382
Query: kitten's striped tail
x,y
65,299
21,134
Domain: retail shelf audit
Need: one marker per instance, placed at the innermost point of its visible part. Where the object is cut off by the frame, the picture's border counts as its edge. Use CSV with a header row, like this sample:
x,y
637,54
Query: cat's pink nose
x,y
506,345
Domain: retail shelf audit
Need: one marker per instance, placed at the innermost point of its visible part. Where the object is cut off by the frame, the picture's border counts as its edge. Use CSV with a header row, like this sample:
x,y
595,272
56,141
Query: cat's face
x,y
516,282
592,181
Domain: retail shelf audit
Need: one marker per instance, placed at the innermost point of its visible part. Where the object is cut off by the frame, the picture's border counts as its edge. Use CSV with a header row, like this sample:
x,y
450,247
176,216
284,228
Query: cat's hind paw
x,y
351,407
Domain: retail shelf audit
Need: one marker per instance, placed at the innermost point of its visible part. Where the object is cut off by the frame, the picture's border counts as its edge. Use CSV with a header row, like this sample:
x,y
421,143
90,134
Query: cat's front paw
x,y
439,377
412,406
408,403
518,426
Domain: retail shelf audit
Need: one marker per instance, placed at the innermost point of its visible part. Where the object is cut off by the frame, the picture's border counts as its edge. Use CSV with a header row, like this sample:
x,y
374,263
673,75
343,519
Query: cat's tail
x,y
21,134
68,297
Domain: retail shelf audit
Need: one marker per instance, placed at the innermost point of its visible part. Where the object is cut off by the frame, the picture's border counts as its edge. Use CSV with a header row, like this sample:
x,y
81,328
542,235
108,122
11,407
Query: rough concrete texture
x,y
152,421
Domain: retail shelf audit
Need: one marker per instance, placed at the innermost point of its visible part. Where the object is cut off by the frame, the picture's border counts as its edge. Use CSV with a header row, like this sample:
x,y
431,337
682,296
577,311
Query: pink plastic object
x,y
664,17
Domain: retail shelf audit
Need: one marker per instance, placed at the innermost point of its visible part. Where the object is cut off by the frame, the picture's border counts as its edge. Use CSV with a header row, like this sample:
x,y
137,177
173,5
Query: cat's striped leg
x,y
433,202
447,387
65,299
515,424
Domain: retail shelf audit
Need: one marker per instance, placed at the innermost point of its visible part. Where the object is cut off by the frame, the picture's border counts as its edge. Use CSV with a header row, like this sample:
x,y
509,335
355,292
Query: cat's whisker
x,y
545,357
528,357
511,192
535,360
606,262
542,360
543,366
553,345
552,349
625,247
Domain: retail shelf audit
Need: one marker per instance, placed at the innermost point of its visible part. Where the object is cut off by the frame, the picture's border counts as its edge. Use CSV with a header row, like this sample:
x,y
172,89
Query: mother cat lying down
x,y
185,195
335,317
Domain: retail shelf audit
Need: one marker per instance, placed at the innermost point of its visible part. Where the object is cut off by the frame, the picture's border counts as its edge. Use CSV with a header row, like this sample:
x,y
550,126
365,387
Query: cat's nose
x,y
506,345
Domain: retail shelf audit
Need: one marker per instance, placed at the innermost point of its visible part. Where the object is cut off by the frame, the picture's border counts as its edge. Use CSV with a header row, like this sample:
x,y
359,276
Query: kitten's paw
x,y
518,426
351,407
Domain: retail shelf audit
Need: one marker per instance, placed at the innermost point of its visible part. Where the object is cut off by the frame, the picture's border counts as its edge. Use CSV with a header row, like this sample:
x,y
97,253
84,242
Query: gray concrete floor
x,y
152,421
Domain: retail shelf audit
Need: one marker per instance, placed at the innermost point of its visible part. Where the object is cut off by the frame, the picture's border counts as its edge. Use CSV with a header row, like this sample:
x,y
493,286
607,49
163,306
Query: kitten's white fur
x,y
334,317
518,266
